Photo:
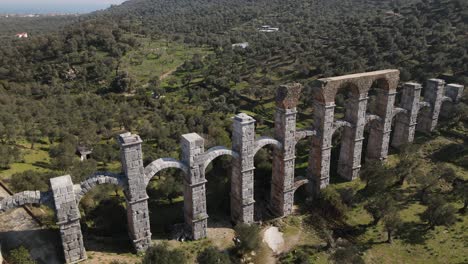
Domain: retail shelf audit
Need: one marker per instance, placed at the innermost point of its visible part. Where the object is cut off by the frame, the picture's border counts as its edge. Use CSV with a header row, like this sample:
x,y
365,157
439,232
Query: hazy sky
x,y
47,6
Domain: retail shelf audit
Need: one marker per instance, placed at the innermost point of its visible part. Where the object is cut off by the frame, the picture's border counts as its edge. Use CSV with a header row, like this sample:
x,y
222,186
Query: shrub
x,y
331,204
249,236
161,254
20,256
212,255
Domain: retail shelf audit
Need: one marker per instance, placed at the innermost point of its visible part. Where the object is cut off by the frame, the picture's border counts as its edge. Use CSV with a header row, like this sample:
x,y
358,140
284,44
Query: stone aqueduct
x,y
64,196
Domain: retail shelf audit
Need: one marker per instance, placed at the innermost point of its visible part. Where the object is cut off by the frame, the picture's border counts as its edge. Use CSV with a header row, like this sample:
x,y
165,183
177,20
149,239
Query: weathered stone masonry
x,y
411,114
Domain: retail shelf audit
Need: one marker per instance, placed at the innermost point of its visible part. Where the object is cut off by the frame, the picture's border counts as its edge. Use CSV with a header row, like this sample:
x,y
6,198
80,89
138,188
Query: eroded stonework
x,y
64,197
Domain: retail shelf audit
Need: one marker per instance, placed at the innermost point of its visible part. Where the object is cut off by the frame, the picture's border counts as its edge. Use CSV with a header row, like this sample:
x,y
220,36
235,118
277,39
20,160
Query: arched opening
x,y
335,155
262,183
104,219
302,158
371,123
166,204
423,114
346,107
376,107
446,109
343,97
300,197
218,174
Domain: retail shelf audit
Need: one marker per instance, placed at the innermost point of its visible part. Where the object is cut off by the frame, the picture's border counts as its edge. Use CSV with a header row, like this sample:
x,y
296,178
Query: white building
x,y
22,35
267,28
240,45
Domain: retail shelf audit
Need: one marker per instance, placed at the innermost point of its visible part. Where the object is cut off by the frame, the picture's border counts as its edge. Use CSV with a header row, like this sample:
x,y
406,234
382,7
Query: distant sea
x,y
7,8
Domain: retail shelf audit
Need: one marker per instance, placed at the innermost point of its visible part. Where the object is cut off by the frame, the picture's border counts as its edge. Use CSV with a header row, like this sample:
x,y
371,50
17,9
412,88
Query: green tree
x,y
460,190
8,155
330,204
377,177
430,181
63,155
409,164
380,206
31,181
170,188
161,254
392,222
123,82
439,212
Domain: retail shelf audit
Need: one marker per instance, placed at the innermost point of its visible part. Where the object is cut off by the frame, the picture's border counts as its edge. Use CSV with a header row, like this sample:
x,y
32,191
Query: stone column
x,y
195,215
68,219
433,94
349,162
282,189
405,125
454,92
379,135
318,171
137,198
242,182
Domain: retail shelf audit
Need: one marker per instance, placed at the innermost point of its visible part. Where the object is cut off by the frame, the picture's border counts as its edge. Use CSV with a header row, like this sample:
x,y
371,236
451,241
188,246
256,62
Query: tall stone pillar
x,y
454,92
195,215
405,125
379,135
137,198
242,182
282,189
433,94
68,219
349,163
318,171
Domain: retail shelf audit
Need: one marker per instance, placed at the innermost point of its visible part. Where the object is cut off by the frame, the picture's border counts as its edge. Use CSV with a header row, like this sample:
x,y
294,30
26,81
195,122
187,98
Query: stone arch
x,y
399,111
97,179
160,164
339,124
262,186
371,118
302,134
446,106
214,153
265,141
423,105
25,198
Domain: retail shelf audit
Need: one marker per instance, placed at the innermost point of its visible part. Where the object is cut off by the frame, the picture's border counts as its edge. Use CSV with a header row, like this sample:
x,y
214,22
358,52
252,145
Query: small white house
x,y
267,28
240,45
84,152
22,35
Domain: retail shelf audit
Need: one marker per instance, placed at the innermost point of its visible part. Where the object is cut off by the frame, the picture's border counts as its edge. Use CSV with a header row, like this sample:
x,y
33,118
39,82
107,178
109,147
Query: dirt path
x,y
167,74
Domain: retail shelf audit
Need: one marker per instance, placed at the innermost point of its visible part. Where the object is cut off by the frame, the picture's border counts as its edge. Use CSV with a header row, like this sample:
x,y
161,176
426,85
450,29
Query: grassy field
x,y
35,159
157,58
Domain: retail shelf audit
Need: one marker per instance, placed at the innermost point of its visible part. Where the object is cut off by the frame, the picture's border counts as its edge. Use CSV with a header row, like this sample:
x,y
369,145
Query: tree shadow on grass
x,y
43,165
413,233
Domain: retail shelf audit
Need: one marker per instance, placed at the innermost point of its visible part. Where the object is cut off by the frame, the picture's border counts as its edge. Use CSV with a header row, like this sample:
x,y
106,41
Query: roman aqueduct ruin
x,y
410,114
